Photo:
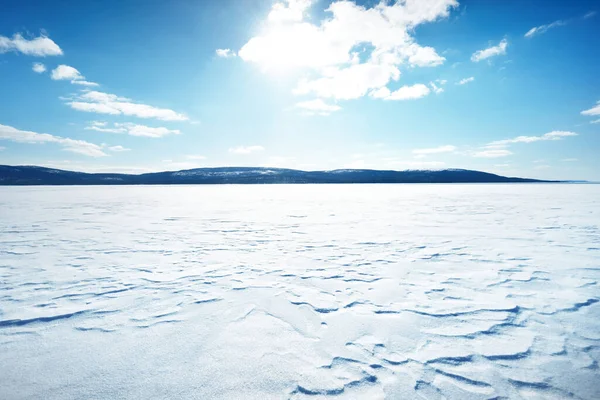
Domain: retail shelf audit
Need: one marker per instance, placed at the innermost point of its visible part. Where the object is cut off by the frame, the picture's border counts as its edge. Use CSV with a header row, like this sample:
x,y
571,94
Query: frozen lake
x,y
276,292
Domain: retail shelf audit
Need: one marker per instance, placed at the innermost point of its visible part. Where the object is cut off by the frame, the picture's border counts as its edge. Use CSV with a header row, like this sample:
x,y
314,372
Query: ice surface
x,y
308,291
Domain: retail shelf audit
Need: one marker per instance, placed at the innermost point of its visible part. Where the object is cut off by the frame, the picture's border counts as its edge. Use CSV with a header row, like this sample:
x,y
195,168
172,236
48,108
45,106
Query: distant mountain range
x,y
32,175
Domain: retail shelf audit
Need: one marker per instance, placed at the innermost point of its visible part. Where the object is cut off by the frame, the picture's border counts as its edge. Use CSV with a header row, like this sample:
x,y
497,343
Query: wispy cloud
x,y
492,153
435,150
106,103
84,83
435,88
466,80
592,111
38,68
132,129
118,148
554,135
569,160
499,149
225,53
318,106
72,145
40,46
590,14
493,51
404,93
246,149
538,30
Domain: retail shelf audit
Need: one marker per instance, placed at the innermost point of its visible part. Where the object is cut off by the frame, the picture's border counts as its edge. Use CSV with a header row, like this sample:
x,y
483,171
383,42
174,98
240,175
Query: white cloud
x,y
38,68
538,30
554,135
492,153
118,148
589,15
595,122
318,106
246,150
132,129
293,11
225,53
84,83
493,51
349,83
106,103
569,160
404,93
72,145
541,167
65,72
593,111
436,89
195,157
435,150
466,80
2,148
41,46
351,52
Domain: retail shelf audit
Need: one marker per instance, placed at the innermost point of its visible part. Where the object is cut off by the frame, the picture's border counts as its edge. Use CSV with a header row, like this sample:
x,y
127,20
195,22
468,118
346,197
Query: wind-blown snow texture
x,y
274,292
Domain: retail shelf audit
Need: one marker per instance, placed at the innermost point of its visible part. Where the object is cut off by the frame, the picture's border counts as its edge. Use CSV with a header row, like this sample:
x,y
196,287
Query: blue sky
x,y
509,87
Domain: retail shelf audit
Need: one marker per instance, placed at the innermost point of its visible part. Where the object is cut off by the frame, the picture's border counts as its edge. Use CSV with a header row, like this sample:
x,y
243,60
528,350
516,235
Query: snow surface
x,y
306,291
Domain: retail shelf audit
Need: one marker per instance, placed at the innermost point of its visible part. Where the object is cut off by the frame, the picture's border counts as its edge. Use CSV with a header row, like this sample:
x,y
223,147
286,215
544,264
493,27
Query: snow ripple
x,y
292,292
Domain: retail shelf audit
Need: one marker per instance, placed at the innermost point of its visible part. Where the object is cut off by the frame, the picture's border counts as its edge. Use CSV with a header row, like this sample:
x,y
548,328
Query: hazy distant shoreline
x,y
33,175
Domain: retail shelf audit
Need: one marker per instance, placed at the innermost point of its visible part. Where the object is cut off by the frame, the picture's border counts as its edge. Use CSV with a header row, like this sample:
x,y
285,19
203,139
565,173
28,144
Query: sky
x,y
507,87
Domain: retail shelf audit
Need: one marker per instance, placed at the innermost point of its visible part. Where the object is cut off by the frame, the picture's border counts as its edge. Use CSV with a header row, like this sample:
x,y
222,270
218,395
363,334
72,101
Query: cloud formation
x,y
492,153
118,148
493,51
538,30
246,149
554,135
38,68
107,103
40,46
435,88
593,111
466,80
72,145
350,53
66,72
225,53
404,93
131,129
